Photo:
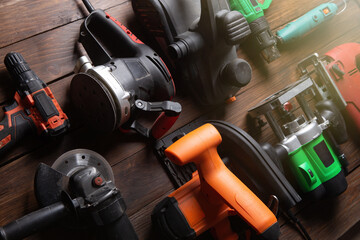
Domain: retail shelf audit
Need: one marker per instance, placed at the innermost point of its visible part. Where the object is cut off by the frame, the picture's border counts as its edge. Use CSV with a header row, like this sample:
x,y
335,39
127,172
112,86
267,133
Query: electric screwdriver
x,y
261,34
34,108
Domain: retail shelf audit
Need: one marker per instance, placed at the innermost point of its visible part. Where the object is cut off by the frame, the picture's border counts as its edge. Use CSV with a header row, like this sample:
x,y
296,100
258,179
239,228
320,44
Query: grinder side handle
x,y
33,222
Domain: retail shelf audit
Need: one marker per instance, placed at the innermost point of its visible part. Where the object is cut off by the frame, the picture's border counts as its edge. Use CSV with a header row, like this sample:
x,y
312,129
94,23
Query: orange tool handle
x,y
217,181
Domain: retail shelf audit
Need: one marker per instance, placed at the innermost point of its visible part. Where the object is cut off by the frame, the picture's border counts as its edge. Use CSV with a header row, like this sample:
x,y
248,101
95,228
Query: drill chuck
x,y
264,39
20,71
16,64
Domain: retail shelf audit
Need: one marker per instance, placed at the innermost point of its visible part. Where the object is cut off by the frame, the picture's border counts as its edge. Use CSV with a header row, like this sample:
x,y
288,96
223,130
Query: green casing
x,y
318,157
251,9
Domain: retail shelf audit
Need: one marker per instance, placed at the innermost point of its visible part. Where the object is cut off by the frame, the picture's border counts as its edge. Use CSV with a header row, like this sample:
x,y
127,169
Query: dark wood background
x,y
46,32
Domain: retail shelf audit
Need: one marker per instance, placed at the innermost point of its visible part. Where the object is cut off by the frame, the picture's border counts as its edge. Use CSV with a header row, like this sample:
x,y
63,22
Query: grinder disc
x,y
71,161
94,101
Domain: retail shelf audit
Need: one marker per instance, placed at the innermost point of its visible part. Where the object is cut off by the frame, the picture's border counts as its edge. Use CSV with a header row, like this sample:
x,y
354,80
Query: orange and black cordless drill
x,y
34,108
212,196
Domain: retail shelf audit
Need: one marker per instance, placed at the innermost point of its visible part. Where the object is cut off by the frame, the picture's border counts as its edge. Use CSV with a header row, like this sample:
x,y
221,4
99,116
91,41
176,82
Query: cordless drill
x,y
34,109
261,35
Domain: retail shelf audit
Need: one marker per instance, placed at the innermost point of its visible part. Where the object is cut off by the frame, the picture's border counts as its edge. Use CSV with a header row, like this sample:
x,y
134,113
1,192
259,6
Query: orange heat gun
x,y
211,196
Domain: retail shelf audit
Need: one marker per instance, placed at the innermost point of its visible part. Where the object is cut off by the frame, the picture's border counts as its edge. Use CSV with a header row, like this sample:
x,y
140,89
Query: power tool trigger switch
x,y
337,70
357,60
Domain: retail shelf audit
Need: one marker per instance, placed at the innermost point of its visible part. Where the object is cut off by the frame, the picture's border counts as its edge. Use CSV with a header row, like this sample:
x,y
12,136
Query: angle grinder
x,y
79,190
123,78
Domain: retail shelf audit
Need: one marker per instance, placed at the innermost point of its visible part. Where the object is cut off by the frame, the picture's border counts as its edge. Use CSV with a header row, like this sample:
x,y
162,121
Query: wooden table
x,y
46,33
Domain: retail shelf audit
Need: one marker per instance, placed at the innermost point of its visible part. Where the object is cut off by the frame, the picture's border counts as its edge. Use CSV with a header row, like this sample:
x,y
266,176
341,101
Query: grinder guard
x,y
80,189
204,55
125,70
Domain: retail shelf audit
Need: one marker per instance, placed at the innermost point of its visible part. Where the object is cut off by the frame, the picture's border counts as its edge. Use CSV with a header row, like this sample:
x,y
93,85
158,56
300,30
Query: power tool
x,y
343,65
308,148
257,166
261,35
34,108
211,196
199,38
310,20
127,78
79,191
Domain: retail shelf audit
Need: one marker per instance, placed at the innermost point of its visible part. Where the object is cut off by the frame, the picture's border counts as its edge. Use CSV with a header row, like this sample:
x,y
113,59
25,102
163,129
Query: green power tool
x,y
261,34
308,146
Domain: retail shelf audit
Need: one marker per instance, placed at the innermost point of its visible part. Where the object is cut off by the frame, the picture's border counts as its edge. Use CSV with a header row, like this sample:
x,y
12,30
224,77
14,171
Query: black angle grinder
x,y
123,78
199,38
79,191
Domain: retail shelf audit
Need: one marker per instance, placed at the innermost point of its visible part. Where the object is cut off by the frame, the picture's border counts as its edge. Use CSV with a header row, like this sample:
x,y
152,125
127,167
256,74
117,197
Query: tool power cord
x,y
297,223
88,6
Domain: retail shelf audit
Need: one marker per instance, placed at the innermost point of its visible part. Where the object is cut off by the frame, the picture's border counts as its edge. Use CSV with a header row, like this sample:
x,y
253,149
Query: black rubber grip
x,y
45,105
33,222
121,229
11,132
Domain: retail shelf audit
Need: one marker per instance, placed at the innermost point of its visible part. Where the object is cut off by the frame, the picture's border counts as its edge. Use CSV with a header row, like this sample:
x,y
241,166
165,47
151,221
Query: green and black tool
x,y
261,35
308,145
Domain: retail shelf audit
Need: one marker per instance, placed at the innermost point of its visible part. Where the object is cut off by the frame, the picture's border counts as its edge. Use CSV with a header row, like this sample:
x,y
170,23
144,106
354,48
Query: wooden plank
x,y
138,175
19,19
53,54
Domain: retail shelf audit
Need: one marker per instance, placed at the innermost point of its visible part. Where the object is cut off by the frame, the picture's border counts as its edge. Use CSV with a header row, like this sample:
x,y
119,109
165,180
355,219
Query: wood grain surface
x,y
46,33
